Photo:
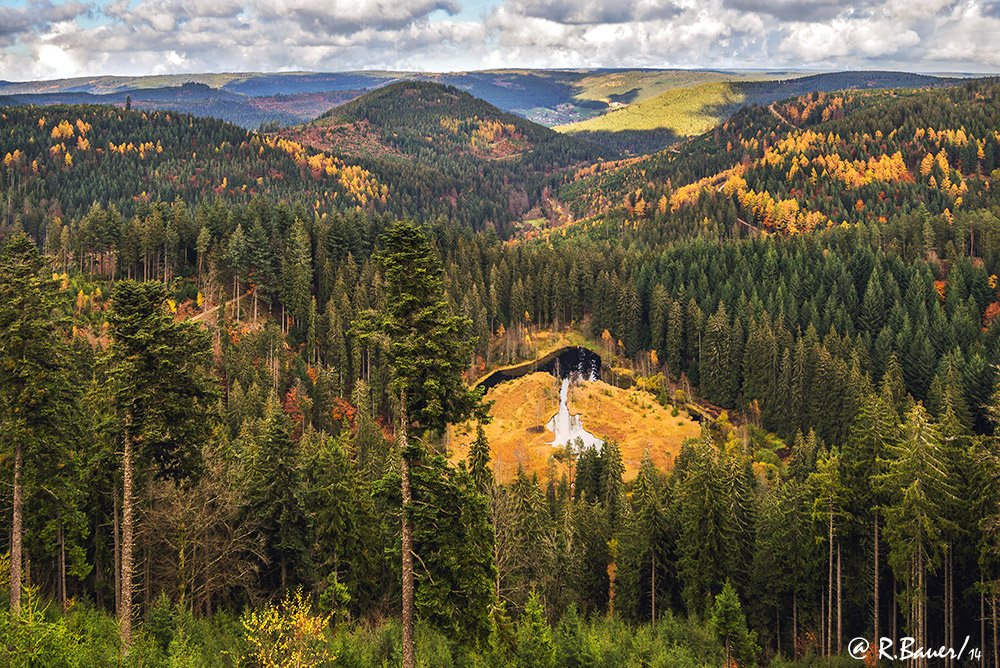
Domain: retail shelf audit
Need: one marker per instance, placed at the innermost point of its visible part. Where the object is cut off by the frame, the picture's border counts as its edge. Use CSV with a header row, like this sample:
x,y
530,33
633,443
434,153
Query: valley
x,y
239,370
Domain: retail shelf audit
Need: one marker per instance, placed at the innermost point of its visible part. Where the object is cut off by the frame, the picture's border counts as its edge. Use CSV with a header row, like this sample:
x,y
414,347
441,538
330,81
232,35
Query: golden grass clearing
x,y
686,111
523,406
517,433
634,419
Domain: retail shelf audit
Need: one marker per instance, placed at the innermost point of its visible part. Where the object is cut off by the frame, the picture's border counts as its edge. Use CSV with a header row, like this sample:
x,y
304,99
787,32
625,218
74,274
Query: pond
x,y
569,364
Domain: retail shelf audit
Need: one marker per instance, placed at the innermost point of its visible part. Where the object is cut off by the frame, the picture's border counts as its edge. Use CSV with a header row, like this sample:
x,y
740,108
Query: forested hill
x,y
482,158
814,161
823,272
58,160
439,125
652,124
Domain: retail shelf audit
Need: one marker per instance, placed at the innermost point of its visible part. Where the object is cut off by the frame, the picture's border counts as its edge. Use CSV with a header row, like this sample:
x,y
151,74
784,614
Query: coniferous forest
x,y
231,361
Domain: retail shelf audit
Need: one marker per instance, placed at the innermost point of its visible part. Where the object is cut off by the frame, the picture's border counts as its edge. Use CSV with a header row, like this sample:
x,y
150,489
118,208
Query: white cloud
x,y
47,39
814,42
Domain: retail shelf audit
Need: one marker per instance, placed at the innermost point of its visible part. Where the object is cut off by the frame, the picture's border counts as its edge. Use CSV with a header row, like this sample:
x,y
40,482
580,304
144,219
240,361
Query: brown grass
x,y
523,406
635,420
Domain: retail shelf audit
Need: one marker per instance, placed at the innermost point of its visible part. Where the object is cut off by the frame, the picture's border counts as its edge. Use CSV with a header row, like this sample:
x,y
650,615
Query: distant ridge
x,y
653,124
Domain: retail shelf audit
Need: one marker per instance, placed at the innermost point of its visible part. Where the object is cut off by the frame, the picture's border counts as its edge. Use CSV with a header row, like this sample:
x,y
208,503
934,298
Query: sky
x,y
47,39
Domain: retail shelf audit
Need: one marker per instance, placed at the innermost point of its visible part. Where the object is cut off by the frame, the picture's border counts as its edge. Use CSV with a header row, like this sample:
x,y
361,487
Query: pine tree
x,y
874,431
674,342
162,392
277,504
828,507
534,639
659,314
427,349
35,392
479,460
916,484
705,539
730,625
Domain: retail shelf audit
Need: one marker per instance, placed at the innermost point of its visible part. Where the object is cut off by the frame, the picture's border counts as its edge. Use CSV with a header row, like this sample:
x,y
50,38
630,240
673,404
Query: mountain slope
x,y
452,145
548,97
651,124
814,161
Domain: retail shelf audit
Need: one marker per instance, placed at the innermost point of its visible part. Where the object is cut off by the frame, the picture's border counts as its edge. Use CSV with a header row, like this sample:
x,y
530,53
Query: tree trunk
x,y
895,608
125,613
947,604
15,542
822,622
829,591
777,626
795,626
982,624
996,654
652,585
840,602
409,658
62,569
921,631
118,564
876,579
98,566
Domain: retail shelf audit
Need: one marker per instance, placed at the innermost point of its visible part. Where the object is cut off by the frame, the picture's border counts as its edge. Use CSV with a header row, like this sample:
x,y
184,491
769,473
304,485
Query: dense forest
x,y
224,381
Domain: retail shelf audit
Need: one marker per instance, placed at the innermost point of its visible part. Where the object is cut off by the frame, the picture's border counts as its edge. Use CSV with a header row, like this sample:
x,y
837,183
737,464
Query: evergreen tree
x,y
277,505
427,349
35,390
158,371
916,484
534,639
730,625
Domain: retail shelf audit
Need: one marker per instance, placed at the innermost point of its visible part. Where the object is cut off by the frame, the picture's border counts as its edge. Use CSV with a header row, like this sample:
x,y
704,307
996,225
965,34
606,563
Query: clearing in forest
x,y
523,406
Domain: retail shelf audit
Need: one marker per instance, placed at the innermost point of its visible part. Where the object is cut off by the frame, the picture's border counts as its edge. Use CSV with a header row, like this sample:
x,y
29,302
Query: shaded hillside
x,y
548,97
201,99
431,123
652,124
64,158
452,146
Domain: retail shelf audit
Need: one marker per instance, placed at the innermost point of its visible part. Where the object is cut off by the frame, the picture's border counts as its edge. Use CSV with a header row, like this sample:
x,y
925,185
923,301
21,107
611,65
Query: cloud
x,y
48,38
815,42
796,10
590,12
38,15
350,16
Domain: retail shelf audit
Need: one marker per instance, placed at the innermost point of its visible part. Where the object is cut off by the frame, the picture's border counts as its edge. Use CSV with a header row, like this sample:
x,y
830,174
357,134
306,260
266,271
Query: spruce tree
x,y
427,349
162,391
35,390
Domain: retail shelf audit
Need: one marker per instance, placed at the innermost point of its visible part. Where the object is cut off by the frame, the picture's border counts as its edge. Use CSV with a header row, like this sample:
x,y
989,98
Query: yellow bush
x,y
288,635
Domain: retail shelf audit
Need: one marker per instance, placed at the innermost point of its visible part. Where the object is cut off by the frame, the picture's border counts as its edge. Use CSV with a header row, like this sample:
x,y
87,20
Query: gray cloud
x,y
38,15
577,12
46,38
796,10
349,16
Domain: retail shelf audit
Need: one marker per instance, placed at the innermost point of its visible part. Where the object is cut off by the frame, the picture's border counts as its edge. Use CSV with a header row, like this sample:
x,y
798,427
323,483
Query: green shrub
x,y
34,641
